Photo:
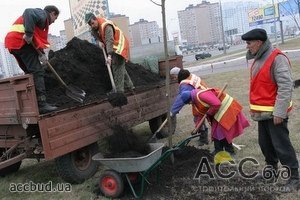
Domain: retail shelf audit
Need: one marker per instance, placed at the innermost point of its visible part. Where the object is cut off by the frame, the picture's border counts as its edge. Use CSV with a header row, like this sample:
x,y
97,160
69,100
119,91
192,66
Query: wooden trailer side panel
x,y
18,104
75,128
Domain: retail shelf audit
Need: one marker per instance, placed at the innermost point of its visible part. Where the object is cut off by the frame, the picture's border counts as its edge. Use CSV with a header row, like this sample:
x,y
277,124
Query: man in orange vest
x,y
271,88
32,28
116,45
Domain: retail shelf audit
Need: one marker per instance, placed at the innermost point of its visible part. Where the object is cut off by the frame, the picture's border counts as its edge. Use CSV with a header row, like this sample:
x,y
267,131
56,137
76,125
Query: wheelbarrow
x,y
133,170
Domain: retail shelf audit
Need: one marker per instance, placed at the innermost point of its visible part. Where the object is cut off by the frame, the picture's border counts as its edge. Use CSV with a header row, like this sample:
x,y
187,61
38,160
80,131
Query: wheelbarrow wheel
x,y
111,184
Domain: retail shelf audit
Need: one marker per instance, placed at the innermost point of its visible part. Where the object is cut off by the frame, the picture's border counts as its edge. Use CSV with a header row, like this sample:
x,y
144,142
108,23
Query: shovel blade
x,y
77,91
74,96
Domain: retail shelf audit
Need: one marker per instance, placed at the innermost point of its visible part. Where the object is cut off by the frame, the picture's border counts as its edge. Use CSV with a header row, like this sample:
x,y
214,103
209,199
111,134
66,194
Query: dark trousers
x,y
28,60
275,143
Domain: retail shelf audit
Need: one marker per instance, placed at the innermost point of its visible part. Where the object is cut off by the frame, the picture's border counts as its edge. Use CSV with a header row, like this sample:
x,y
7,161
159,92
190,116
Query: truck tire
x,y
77,166
10,169
157,121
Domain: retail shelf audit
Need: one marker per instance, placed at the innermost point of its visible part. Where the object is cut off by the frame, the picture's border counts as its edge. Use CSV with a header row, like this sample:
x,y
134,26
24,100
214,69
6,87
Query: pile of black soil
x,y
82,64
124,143
177,181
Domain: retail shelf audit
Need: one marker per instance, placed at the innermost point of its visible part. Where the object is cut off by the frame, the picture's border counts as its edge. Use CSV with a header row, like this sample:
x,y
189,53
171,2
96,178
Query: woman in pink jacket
x,y
224,114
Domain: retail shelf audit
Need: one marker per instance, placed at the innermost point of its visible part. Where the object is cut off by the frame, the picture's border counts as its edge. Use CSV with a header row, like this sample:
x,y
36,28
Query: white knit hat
x,y
174,71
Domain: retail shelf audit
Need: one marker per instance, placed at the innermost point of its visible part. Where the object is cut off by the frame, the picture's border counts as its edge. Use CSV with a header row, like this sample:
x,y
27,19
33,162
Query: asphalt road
x,y
225,64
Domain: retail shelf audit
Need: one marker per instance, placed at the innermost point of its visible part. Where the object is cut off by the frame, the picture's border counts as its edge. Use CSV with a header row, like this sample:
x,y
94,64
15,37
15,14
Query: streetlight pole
x,y
274,18
222,25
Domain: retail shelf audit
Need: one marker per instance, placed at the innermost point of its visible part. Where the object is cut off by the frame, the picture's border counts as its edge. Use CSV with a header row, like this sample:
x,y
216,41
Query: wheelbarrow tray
x,y
137,164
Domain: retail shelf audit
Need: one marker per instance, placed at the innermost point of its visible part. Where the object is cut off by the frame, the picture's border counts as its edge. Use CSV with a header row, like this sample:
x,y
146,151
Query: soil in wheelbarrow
x,y
176,181
82,64
123,143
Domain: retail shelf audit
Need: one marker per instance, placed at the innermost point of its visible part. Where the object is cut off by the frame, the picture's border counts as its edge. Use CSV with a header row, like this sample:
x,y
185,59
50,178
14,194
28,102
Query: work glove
x,y
172,115
43,59
27,39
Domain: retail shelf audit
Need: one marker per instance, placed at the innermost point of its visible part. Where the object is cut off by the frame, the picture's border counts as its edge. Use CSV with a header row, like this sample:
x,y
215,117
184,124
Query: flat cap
x,y
88,17
255,34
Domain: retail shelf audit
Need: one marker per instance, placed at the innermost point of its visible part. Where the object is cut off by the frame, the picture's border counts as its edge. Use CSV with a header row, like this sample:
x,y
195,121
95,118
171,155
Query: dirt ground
x,y
176,181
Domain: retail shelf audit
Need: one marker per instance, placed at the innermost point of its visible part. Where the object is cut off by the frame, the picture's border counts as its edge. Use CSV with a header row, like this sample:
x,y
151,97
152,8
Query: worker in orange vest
x,y
116,46
224,115
32,27
271,87
187,82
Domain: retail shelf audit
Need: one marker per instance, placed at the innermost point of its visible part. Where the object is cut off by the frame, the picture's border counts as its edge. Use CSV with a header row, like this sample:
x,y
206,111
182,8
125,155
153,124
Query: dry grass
x,y
238,84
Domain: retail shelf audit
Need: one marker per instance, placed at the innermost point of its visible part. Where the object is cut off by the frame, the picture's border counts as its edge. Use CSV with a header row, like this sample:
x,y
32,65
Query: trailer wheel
x,y
111,184
157,121
77,166
10,169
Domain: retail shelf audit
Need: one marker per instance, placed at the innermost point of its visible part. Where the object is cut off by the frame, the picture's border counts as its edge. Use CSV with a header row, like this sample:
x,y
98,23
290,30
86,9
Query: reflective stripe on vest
x,y
226,102
195,81
263,90
18,28
121,44
267,108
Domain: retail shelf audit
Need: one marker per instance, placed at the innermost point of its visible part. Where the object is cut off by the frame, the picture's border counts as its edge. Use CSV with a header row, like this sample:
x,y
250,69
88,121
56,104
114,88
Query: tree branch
x,y
155,3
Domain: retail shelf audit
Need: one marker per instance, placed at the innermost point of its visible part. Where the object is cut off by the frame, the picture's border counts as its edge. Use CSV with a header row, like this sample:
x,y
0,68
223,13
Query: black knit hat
x,y
183,74
255,34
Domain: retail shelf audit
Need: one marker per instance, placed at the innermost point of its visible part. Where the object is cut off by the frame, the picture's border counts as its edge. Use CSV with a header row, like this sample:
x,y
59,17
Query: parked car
x,y
221,48
202,55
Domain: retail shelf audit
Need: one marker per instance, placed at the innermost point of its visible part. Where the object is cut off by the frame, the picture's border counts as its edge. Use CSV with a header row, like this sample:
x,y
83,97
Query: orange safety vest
x,y
263,90
121,44
194,81
227,113
14,38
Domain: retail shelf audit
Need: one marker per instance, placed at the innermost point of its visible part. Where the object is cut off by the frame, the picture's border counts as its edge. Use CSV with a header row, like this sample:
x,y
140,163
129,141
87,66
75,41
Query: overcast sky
x,y
134,9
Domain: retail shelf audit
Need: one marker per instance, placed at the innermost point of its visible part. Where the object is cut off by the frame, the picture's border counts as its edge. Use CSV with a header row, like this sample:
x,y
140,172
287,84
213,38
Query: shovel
x,y
71,91
115,98
205,115
157,131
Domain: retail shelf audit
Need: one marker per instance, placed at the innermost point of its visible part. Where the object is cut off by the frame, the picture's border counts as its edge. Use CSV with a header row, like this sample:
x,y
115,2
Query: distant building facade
x,y
145,32
235,18
8,64
200,24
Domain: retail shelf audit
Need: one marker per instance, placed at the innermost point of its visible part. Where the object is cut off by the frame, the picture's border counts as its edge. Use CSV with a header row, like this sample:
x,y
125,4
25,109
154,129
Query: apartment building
x,y
8,64
200,24
144,32
235,16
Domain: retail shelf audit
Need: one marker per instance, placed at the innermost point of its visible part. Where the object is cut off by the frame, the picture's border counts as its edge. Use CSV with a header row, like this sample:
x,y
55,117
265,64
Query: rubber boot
x,y
44,107
293,184
228,147
218,147
203,138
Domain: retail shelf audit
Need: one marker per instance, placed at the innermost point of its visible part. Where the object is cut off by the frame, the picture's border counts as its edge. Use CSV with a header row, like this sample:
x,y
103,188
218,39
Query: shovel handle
x,y
109,71
50,66
205,115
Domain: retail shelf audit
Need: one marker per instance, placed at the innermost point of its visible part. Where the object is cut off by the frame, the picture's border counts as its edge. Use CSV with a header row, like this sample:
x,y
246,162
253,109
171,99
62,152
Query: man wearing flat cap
x,y
271,88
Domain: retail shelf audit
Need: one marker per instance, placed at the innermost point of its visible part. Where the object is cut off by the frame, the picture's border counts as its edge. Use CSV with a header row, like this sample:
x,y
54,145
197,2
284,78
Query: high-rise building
x,y
200,24
122,22
9,66
235,16
69,28
78,11
144,32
